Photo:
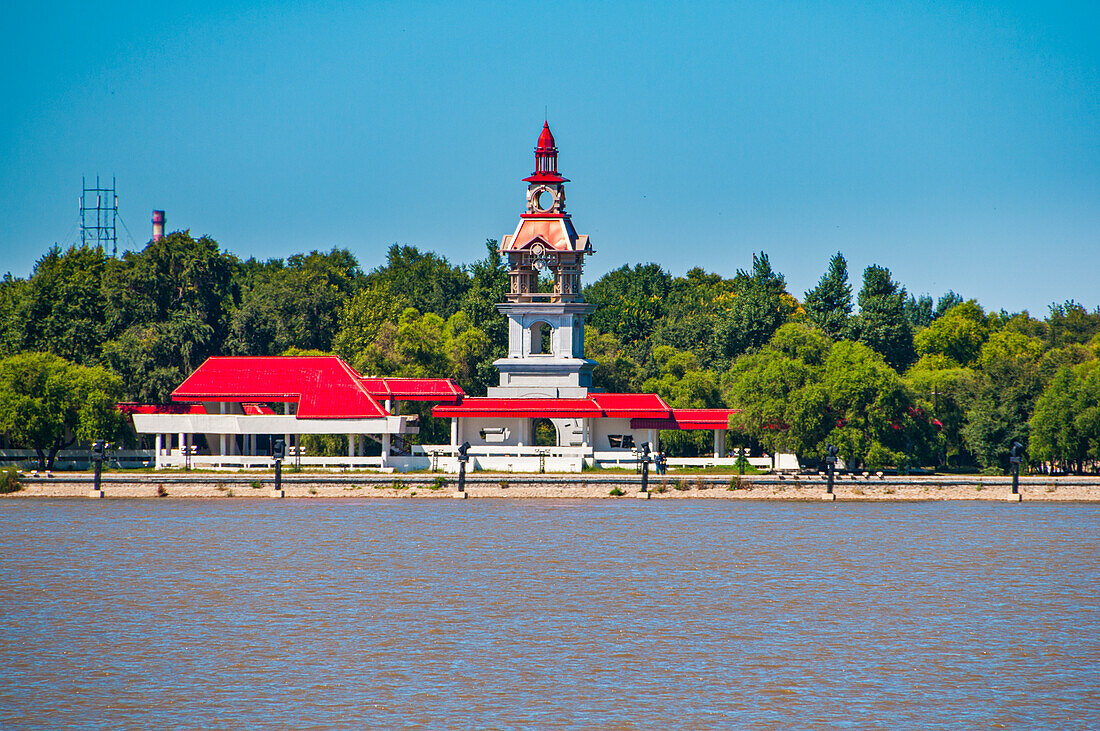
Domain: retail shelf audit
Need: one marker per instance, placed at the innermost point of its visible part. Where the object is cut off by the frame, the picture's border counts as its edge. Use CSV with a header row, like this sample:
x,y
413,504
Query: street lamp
x,y
645,466
463,458
278,453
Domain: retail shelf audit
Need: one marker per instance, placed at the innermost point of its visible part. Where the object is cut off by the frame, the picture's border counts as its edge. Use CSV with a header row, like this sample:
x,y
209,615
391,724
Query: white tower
x,y
545,329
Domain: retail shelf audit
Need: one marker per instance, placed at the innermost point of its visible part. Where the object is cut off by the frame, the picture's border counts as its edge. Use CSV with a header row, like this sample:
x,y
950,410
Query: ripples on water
x,y
687,614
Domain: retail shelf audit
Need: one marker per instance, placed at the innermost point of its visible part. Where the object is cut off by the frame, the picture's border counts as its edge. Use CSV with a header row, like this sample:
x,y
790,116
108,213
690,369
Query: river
x,y
548,614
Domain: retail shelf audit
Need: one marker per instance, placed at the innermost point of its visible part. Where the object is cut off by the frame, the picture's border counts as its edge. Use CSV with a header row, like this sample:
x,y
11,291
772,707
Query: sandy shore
x,y
583,486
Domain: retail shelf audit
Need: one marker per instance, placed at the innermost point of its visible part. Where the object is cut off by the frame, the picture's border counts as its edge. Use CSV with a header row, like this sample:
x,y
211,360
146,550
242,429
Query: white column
x,y
180,442
719,443
157,451
351,445
652,439
385,450
454,431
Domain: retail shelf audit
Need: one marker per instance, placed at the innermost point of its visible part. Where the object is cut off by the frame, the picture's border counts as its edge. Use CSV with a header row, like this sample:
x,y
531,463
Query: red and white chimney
x,y
158,225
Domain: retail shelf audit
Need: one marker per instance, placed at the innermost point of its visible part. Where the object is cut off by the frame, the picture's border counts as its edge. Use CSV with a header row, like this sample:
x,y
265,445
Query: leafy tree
x,y
942,387
168,307
1003,392
488,288
296,305
62,309
363,317
881,323
749,318
629,302
946,302
1065,424
615,371
1070,322
48,403
919,311
829,304
12,293
427,281
959,334
683,383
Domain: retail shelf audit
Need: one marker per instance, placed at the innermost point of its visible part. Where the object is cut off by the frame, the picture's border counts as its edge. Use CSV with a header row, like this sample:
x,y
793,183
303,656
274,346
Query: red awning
x,y
688,419
413,389
522,408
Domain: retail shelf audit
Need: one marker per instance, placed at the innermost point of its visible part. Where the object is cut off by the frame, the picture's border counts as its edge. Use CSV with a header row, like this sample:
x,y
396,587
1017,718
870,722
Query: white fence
x,y
441,457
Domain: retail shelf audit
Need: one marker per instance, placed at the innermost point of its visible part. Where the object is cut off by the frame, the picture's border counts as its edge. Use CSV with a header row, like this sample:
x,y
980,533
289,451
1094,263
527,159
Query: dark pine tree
x,y
829,304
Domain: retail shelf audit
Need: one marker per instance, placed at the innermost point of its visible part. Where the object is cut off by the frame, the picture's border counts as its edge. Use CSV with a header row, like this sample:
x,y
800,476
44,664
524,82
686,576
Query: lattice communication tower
x,y
99,215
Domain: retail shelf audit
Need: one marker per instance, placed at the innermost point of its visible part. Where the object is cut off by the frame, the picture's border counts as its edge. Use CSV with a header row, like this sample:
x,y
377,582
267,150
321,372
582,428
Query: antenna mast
x,y
99,215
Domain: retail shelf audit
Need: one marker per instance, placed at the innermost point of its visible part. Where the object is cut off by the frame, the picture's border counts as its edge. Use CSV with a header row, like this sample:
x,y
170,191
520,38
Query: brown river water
x,y
548,614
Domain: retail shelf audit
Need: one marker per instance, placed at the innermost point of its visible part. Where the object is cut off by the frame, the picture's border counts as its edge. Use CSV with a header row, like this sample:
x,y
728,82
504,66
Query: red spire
x,y
546,139
546,159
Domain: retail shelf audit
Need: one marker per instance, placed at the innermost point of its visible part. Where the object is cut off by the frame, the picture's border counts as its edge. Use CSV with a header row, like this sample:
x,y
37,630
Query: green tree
x,y
363,317
629,302
62,309
959,334
296,305
168,307
48,403
748,319
12,292
426,280
829,304
881,323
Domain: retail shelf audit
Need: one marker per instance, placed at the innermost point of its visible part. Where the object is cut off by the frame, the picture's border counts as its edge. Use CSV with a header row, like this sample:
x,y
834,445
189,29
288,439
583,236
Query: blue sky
x,y
957,144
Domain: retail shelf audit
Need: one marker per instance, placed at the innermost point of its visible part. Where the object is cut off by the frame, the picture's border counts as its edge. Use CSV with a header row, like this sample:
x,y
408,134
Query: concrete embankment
x,y
582,486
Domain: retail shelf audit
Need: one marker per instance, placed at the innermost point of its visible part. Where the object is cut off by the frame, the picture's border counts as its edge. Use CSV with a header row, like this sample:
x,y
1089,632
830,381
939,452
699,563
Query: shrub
x,y
161,492
678,484
735,482
438,483
993,471
313,491
10,481
256,485
229,493
504,484
398,485
616,492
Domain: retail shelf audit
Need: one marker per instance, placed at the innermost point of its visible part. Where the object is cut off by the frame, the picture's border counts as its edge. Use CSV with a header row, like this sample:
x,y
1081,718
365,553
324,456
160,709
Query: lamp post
x,y
1014,458
278,453
99,453
830,466
463,458
645,466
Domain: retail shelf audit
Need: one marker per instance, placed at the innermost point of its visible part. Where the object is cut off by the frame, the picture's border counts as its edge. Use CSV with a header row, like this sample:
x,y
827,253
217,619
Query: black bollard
x,y
99,453
1014,458
645,467
830,465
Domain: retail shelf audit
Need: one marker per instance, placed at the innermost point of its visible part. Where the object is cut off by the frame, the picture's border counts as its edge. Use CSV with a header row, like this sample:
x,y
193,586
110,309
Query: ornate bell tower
x,y
545,329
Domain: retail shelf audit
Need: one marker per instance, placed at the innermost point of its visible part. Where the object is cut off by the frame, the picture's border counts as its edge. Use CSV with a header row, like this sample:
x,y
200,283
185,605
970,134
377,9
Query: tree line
x,y
893,379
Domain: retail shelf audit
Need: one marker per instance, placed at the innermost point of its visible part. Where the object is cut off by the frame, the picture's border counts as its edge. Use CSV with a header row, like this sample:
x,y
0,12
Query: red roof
x,y
688,419
522,408
324,387
257,409
631,405
413,389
